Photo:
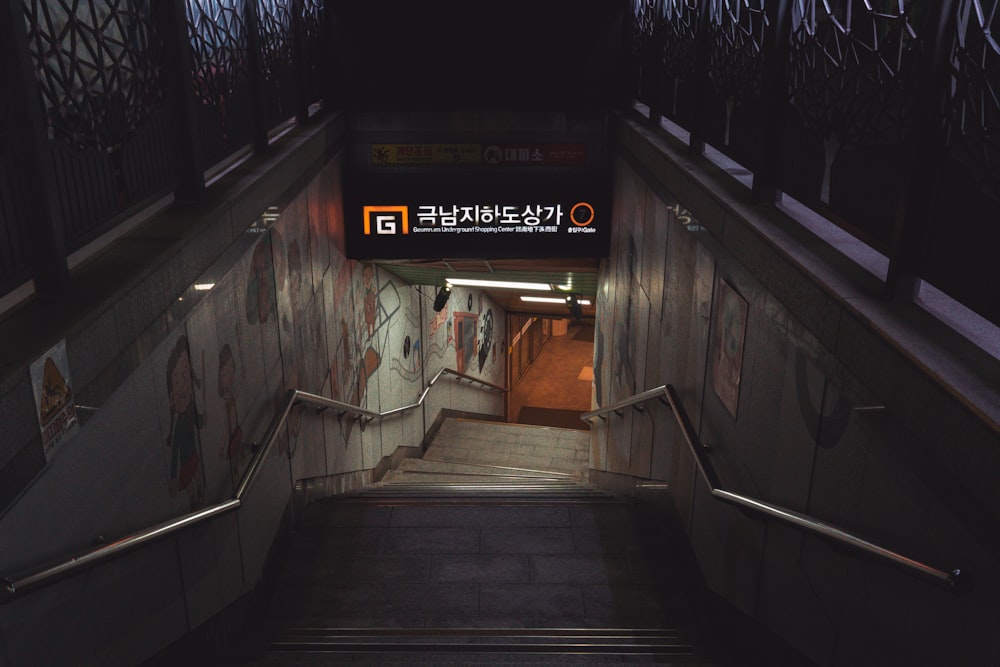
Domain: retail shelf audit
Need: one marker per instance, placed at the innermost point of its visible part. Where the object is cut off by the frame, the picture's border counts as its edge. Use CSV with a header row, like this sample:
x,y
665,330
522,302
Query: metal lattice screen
x,y
98,68
217,31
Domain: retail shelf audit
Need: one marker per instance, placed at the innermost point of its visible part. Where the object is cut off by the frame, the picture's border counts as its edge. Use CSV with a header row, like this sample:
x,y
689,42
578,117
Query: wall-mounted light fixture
x,y
442,298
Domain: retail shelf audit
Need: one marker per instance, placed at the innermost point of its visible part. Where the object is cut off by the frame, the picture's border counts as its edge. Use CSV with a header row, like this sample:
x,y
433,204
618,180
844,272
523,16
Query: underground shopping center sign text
x,y
560,225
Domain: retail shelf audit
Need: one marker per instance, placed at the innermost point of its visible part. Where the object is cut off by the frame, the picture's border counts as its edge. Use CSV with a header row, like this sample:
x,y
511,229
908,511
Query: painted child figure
x,y
186,472
232,449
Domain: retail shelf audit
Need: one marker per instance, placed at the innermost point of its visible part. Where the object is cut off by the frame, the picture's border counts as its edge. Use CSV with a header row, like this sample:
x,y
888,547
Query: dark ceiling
x,y
455,54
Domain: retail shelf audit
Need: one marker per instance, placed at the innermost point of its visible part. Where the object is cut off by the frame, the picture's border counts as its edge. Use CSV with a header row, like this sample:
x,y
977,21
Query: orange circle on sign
x,y
572,214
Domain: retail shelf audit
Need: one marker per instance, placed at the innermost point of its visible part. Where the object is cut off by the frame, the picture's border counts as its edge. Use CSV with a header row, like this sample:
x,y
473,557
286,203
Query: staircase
x,y
491,549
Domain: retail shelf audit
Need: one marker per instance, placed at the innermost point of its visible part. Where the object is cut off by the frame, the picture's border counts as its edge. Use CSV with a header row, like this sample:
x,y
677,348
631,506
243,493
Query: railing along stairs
x,y
956,579
39,577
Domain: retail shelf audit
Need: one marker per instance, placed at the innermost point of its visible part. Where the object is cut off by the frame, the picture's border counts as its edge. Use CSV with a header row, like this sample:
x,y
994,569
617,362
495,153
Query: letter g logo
x,y
386,219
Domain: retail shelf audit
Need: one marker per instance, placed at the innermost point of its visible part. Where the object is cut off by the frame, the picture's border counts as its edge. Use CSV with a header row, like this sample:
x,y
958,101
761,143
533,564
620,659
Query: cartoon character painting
x,y
187,473
229,383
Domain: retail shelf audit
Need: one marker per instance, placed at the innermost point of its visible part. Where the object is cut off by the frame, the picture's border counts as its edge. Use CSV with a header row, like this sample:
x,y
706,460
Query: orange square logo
x,y
386,220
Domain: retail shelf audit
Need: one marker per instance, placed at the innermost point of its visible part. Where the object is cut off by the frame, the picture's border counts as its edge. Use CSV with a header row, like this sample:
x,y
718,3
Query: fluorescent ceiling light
x,y
552,299
203,287
502,284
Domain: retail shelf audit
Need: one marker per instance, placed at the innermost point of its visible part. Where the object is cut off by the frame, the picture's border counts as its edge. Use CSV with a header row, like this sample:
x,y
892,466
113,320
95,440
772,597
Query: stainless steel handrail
x,y
41,576
956,579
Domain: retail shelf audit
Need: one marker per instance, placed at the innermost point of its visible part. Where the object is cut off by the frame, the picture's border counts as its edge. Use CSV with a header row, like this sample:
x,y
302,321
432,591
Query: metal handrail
x,y
956,579
42,576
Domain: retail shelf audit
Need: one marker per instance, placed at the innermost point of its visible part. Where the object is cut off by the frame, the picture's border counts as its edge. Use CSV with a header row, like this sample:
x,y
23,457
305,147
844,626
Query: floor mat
x,y
551,417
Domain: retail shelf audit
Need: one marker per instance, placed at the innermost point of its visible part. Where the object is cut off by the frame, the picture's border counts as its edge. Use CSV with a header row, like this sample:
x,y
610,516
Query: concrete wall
x,y
783,407
178,417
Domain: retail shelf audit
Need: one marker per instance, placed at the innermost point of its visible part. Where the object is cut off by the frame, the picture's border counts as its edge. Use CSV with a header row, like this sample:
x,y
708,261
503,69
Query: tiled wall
x,y
285,309
764,360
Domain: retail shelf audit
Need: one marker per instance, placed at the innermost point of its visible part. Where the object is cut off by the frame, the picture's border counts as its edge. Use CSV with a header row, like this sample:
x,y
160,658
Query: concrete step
x,y
540,448
431,476
426,465
474,645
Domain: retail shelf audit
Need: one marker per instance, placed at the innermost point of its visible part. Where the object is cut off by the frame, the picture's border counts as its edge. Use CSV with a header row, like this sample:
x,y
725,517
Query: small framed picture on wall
x,y
727,346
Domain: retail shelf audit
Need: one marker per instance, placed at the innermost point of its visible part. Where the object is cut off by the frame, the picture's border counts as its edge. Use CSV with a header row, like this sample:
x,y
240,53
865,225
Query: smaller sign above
x,y
411,155
490,155
538,155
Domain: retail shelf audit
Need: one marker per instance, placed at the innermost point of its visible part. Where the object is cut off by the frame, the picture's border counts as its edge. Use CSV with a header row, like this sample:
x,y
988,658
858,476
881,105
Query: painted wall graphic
x,y
466,340
439,335
230,380
409,364
486,339
54,403
380,303
727,348
286,310
623,341
260,286
187,471
363,341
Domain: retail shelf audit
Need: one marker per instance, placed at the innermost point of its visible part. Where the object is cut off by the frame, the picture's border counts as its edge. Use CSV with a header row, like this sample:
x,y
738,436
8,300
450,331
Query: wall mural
x,y
464,339
624,337
187,471
727,356
298,329
260,287
229,382
288,276
379,304
362,344
486,338
410,366
440,327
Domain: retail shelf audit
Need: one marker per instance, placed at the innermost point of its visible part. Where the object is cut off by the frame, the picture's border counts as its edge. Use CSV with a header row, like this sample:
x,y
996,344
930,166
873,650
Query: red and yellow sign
x,y
410,155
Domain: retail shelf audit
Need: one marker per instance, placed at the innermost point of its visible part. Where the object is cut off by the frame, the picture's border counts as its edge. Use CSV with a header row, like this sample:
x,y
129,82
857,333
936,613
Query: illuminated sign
x,y
476,218
480,219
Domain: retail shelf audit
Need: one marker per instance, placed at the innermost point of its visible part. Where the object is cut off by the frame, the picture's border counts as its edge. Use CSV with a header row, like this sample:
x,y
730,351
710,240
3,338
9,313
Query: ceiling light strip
x,y
499,284
552,299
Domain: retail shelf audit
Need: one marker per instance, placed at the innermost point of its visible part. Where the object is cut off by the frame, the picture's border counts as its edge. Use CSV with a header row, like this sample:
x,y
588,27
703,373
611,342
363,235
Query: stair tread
x,y
435,465
498,545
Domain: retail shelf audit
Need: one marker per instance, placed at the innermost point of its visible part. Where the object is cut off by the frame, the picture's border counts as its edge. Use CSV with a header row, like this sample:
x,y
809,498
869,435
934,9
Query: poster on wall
x,y
54,399
727,358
